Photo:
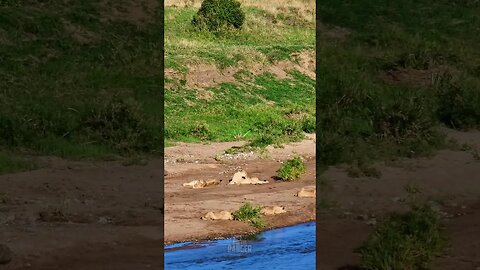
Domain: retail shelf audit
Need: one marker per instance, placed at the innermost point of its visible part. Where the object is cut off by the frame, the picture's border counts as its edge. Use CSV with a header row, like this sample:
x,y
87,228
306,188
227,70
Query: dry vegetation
x,y
304,8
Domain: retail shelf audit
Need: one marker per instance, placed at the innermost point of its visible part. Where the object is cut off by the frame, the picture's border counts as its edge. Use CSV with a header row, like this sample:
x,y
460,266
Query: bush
x,y
458,100
404,241
119,123
217,15
248,212
291,169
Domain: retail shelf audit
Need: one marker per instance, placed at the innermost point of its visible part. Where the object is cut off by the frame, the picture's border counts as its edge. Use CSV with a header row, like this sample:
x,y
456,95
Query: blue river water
x,y
285,248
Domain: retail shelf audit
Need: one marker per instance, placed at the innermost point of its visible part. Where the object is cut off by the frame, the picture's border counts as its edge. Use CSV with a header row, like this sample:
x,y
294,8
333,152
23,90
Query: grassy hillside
x,y
240,84
390,73
80,78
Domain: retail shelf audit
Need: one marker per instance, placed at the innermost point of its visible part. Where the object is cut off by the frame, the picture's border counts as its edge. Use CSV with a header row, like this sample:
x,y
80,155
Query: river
x,y
285,248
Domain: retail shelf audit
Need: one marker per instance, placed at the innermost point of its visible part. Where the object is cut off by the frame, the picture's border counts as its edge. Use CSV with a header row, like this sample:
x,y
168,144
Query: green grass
x,y
404,241
291,169
90,92
364,116
250,213
254,108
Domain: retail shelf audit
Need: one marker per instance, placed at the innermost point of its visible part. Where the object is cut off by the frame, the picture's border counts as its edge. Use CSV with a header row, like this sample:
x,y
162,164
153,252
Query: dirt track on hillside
x,y
450,181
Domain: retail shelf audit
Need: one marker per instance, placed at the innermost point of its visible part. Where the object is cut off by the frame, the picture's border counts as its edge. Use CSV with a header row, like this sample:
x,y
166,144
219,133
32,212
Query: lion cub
x,y
272,210
223,215
241,178
202,183
307,192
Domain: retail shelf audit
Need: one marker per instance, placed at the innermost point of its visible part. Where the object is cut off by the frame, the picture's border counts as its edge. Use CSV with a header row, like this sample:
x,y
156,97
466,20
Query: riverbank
x,y
448,181
184,206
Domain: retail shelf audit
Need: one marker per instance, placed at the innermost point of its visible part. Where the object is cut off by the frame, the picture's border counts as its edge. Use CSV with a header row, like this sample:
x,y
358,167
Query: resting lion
x,y
272,210
241,178
307,192
224,215
202,183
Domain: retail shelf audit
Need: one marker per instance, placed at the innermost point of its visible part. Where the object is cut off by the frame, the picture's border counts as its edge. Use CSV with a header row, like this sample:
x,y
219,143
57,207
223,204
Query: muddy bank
x,y
82,215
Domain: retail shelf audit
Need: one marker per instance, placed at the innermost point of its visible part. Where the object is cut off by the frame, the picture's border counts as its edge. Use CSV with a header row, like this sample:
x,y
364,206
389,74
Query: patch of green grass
x,y
255,107
363,114
241,112
184,43
404,241
248,212
12,164
291,169
76,85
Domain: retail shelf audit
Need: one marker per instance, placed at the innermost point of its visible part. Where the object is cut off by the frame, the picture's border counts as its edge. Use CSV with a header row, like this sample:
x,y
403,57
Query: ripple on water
x,y
285,248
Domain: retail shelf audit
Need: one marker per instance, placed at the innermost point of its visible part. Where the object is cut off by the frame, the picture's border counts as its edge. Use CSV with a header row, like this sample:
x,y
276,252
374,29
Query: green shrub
x,y
458,100
404,241
217,15
291,169
248,212
119,123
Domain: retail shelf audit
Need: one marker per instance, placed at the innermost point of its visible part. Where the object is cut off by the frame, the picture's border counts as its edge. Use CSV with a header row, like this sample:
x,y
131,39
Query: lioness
x,y
272,210
241,178
202,183
307,192
224,215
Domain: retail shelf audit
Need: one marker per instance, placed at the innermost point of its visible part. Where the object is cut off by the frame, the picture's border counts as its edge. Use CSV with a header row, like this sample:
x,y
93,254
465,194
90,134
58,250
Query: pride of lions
x,y
241,178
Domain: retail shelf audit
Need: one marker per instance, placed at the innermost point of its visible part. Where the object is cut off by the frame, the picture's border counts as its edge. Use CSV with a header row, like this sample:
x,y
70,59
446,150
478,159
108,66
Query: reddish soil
x,y
450,181
184,206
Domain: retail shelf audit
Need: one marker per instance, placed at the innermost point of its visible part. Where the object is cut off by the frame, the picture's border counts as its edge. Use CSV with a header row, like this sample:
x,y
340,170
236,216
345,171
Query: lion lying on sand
x,y
241,178
307,192
272,210
223,215
202,183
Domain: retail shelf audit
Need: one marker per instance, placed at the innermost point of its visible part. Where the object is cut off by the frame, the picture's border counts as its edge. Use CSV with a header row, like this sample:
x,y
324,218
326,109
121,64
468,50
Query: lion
x,y
273,210
202,183
241,178
222,215
307,192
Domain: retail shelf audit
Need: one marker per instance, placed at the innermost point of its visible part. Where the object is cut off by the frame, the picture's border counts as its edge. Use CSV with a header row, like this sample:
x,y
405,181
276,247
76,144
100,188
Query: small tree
x,y
217,15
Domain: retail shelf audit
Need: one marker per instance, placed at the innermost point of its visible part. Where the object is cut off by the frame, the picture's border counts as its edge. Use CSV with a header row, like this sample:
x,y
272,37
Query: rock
x,y
5,254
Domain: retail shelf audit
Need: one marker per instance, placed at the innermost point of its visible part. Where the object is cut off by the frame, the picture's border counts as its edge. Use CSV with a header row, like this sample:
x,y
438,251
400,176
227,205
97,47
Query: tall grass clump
x,y
291,169
404,241
248,212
